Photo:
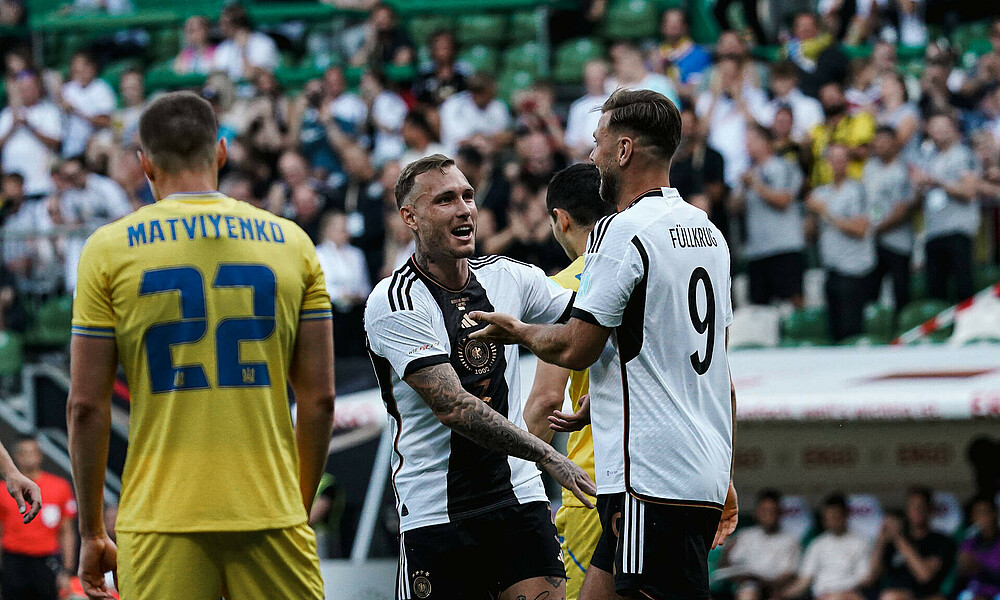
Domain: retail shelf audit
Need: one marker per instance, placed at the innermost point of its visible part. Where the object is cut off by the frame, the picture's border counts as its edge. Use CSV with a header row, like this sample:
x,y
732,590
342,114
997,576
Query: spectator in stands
x,y
243,48
125,120
731,44
38,558
239,187
30,130
307,210
987,68
527,236
807,112
896,111
721,13
768,195
846,245
815,53
87,103
419,137
26,247
863,90
474,111
198,53
492,188
386,111
890,202
294,172
786,145
443,77
727,109
678,57
307,132
909,556
536,113
766,557
835,563
697,172
948,181
853,131
346,274
346,108
629,71
11,12
267,118
979,554
937,90
385,42
127,173
585,112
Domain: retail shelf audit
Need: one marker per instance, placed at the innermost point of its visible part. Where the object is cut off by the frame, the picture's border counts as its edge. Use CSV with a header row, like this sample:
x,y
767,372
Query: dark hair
x,y
178,132
419,120
471,155
86,55
650,115
404,185
13,175
835,500
981,499
480,82
784,69
886,129
923,492
576,189
769,494
440,33
237,15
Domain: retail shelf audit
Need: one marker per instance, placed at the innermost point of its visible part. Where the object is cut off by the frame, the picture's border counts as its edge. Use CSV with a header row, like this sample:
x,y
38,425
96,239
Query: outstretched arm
x,y
460,411
546,397
575,345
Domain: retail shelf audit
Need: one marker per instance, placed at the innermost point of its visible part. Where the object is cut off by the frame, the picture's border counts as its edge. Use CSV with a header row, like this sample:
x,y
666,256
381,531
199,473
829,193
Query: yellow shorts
x,y
276,564
579,529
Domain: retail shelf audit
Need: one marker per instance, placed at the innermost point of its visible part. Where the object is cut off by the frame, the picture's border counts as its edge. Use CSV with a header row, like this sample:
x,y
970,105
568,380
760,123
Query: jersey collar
x,y
208,196
668,193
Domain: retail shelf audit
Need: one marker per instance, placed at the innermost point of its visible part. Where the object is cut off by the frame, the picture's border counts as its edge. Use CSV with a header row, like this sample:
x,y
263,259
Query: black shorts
x,y
778,276
30,577
656,550
479,557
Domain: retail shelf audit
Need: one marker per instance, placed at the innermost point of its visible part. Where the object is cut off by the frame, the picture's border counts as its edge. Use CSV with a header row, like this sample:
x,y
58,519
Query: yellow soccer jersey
x,y
580,447
203,296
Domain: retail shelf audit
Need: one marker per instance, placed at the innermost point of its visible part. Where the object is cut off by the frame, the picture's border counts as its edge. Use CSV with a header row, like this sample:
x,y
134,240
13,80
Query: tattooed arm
x,y
460,411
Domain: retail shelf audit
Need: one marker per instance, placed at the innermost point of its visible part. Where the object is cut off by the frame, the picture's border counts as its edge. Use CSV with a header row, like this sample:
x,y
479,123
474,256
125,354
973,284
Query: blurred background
x,y
849,150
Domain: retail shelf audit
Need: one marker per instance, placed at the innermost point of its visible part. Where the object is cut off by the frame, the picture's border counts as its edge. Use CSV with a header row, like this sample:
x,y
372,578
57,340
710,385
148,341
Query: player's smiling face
x,y
443,213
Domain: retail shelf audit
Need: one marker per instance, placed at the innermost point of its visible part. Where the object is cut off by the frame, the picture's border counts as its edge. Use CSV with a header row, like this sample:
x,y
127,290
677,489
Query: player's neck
x,y
452,273
187,182
641,182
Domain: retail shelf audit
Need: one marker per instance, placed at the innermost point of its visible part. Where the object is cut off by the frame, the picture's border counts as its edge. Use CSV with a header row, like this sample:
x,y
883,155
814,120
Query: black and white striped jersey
x,y
413,322
658,273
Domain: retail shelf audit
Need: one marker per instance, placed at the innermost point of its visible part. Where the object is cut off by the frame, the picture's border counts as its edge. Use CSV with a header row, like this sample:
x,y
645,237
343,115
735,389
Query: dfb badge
x,y
422,584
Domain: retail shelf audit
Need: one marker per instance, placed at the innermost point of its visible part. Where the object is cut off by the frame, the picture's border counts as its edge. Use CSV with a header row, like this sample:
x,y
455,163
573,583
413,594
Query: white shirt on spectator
x,y
99,203
582,120
652,81
346,272
349,108
97,99
24,153
727,129
763,555
806,112
388,112
461,118
836,563
260,51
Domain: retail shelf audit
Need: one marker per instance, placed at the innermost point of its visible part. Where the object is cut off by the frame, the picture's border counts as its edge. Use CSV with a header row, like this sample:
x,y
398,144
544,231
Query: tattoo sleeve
x,y
459,410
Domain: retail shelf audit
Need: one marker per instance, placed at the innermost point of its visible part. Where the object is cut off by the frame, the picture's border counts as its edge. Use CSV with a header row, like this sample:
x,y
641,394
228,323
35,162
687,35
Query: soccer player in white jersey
x,y
656,282
474,520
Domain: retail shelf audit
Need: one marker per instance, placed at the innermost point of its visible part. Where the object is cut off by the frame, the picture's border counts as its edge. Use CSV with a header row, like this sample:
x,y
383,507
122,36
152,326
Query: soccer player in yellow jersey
x,y
574,204
213,308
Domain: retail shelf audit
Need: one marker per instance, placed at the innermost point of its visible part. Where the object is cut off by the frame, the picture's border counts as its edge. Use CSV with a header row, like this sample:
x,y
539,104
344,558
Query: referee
x,y
657,283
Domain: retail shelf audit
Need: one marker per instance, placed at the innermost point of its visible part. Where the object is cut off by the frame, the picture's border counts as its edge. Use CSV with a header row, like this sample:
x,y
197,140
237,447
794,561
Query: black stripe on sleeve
x,y
564,317
426,361
579,313
392,285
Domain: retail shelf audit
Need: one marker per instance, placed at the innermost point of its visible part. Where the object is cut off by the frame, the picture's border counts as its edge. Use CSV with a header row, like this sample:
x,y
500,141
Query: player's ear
x,y
408,216
221,154
626,146
145,164
563,221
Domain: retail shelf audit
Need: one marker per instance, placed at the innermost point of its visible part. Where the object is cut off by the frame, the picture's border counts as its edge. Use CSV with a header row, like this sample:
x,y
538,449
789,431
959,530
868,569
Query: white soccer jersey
x,y
412,322
658,273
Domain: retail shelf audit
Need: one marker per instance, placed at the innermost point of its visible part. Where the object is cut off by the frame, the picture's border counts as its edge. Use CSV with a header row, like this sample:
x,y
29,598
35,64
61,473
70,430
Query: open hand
x,y
730,517
569,422
26,493
502,329
98,555
570,476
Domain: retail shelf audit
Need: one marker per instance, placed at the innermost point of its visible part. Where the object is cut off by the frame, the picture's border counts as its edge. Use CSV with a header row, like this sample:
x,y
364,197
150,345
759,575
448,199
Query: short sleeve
x,y
545,301
810,562
49,122
612,268
93,312
406,338
315,300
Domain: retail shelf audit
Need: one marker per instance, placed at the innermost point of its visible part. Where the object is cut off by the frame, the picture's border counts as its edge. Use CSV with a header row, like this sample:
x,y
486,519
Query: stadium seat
x,y
512,81
631,19
11,355
526,57
480,58
796,516
481,29
864,515
422,27
572,56
52,322
919,311
166,44
524,26
878,322
947,514
807,325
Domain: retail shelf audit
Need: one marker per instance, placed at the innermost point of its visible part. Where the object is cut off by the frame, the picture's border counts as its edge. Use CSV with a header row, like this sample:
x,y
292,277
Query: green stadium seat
x,y
878,322
11,354
526,57
572,56
270,13
52,322
164,78
809,324
631,19
166,44
524,26
919,311
512,81
985,276
704,27
422,27
862,51
481,29
481,58
918,286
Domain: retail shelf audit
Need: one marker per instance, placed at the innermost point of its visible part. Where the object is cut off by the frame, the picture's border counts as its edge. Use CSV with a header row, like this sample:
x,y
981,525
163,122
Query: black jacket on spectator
x,y
898,575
